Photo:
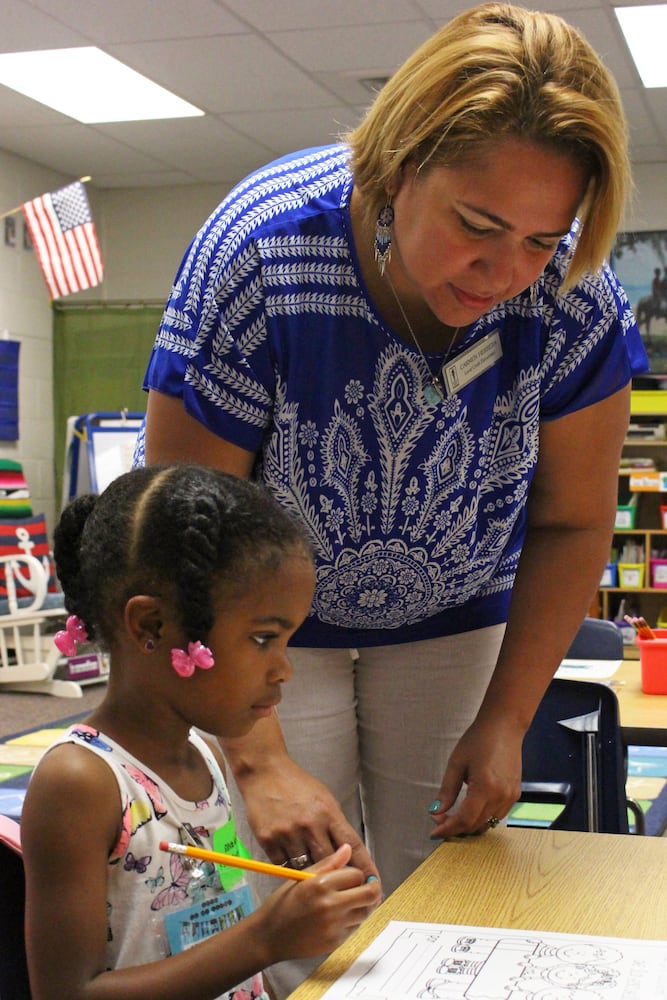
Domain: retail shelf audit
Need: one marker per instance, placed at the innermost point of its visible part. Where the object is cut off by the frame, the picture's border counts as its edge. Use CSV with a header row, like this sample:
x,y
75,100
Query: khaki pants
x,y
377,726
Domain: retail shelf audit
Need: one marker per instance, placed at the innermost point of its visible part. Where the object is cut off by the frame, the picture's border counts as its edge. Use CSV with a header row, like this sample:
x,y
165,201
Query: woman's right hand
x,y
309,918
291,813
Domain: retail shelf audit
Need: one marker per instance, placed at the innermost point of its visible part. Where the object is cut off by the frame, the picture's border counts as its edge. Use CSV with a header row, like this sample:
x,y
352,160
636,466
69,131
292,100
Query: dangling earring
x,y
534,289
382,242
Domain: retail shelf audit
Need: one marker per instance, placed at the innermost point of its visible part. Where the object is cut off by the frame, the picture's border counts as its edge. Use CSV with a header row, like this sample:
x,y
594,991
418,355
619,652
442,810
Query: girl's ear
x,y
144,621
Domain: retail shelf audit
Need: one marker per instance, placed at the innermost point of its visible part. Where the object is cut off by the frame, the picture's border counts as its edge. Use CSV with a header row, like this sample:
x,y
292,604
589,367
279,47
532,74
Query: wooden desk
x,y
548,880
643,716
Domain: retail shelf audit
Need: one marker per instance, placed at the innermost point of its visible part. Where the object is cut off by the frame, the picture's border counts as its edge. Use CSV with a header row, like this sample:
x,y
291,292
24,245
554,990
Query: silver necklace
x,y
434,391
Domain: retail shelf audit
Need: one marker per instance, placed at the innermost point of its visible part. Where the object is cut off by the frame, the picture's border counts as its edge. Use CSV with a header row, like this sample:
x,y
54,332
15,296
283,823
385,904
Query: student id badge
x,y
471,363
201,920
217,900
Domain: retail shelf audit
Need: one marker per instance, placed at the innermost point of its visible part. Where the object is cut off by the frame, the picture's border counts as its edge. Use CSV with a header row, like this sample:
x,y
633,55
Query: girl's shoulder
x,y
68,788
67,763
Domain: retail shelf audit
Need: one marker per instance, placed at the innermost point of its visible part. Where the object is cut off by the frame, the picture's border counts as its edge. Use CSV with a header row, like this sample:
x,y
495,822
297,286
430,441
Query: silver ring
x,y
492,822
299,862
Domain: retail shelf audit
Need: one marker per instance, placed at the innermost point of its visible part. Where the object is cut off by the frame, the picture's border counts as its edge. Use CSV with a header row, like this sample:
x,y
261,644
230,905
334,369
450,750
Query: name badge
x,y
472,363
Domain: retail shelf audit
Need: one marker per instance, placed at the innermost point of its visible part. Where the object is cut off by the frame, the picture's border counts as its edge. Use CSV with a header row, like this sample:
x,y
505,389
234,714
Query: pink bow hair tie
x,y
67,638
184,663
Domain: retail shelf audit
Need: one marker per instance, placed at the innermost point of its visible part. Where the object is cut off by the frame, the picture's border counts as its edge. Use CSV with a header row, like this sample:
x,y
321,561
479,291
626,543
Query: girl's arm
x,y
69,826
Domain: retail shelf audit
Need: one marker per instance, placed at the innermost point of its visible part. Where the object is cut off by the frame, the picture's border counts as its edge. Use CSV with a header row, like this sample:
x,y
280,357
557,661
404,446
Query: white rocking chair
x,y
28,656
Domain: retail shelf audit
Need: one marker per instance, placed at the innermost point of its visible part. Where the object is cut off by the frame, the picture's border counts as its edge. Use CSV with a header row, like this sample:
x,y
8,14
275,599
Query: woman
x,y
413,340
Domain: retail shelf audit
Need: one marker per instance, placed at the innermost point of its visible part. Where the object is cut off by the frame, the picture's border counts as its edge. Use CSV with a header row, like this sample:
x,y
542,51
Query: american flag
x,y
63,234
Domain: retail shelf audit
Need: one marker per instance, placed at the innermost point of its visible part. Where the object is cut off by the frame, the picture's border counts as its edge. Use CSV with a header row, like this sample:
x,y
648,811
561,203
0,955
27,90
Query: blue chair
x,y
14,983
573,752
597,639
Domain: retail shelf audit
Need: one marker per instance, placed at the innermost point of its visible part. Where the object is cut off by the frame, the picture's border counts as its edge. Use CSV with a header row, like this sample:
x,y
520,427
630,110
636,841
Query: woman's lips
x,y
471,301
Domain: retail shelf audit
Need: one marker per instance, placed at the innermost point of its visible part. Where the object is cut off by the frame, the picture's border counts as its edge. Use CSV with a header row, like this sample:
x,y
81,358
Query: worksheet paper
x,y
415,961
587,670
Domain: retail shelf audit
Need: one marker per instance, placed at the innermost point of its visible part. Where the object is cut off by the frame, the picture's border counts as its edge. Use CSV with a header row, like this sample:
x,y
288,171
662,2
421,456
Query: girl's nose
x,y
282,669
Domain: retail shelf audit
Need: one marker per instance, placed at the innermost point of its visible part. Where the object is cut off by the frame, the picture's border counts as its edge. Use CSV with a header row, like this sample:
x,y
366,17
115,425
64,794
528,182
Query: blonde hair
x,y
493,72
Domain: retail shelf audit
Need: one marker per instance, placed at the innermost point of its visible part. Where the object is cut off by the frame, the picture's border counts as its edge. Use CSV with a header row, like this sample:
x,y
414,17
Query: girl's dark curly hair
x,y
177,532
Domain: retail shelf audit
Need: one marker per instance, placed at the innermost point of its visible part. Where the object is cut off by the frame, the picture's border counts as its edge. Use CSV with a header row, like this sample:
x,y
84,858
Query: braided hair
x,y
178,532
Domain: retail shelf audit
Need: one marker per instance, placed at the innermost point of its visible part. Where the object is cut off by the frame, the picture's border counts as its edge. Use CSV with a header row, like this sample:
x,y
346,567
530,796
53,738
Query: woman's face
x,y
468,237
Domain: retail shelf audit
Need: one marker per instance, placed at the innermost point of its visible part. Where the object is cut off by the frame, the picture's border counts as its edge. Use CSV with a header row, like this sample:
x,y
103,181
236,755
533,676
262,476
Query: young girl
x,y
194,581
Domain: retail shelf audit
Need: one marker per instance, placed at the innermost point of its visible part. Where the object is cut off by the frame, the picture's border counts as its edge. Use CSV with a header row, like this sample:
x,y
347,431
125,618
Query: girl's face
x,y
249,643
466,238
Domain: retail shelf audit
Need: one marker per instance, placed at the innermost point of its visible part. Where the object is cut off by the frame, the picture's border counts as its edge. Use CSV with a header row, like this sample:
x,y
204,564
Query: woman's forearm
x,y
263,747
558,574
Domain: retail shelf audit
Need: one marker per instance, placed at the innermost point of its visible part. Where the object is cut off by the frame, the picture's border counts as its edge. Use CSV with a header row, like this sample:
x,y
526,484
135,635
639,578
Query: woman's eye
x,y
544,247
474,230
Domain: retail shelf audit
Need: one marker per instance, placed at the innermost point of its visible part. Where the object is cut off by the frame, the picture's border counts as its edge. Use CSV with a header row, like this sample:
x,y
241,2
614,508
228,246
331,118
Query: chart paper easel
x,y
98,448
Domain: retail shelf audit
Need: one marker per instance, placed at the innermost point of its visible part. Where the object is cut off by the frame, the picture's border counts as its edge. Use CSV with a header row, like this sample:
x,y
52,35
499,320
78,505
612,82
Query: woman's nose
x,y
499,266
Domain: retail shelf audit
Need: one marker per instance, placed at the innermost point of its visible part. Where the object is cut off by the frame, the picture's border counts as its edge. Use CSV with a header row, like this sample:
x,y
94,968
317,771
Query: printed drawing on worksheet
x,y
414,961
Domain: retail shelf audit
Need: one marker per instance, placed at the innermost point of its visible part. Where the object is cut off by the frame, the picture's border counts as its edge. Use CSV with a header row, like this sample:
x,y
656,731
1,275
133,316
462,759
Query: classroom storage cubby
x,y
641,522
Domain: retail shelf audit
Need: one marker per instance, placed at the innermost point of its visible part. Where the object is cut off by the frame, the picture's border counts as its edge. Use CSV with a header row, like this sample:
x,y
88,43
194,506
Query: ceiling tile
x,y
272,76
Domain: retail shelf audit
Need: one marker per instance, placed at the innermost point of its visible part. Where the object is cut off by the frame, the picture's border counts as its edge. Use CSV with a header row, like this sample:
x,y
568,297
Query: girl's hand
x,y
309,918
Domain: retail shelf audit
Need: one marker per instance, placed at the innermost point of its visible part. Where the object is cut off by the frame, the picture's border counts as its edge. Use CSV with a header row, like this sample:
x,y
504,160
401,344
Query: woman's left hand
x,y
487,759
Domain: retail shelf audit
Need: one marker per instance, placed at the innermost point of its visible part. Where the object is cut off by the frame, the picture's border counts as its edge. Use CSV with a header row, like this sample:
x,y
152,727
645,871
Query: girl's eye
x,y
261,640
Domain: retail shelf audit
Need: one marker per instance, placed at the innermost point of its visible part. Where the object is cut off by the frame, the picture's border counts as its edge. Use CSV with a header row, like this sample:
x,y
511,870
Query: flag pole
x,y
13,211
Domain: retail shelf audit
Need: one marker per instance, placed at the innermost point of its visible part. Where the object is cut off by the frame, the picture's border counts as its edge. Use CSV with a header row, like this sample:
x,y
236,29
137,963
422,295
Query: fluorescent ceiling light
x,y
89,85
645,30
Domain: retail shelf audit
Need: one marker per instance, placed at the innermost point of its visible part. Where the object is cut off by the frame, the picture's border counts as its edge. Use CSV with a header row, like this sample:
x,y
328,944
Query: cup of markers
x,y
652,645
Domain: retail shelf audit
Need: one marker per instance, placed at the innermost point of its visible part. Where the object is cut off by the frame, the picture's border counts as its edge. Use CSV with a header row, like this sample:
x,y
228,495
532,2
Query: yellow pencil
x,y
234,862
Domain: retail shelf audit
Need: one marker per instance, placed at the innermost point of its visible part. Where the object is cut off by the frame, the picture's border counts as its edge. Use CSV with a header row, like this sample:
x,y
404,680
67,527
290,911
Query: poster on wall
x,y
640,261
9,390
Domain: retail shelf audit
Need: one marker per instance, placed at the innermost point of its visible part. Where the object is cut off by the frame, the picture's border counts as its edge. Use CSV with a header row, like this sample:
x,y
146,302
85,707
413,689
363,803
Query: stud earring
x,y
382,241
149,646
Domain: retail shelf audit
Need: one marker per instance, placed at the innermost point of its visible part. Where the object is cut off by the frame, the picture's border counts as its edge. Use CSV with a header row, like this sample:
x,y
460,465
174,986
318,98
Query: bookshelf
x,y
640,581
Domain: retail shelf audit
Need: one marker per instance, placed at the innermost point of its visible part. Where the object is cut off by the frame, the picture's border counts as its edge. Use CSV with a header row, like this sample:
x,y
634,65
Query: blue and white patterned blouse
x,y
417,511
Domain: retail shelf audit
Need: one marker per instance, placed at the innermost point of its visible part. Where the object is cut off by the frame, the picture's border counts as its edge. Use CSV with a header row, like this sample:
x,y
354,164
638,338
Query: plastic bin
x,y
653,659
663,516
658,573
631,575
610,576
625,515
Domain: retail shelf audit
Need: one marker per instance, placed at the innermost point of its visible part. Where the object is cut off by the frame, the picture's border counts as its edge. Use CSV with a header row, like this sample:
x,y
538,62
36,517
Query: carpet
x,y
647,778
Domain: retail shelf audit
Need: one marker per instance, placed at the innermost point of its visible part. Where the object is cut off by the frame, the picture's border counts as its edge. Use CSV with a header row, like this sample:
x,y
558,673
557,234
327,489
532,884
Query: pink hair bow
x,y
184,663
67,638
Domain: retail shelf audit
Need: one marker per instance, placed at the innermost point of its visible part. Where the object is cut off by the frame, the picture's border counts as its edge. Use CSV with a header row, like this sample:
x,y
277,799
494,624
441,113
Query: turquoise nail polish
x,y
435,805
372,878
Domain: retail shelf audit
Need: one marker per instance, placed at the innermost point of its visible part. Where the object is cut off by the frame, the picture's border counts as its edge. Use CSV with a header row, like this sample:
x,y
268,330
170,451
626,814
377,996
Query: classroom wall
x,y
648,208
25,315
146,232
143,234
